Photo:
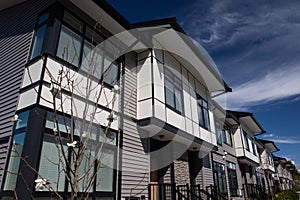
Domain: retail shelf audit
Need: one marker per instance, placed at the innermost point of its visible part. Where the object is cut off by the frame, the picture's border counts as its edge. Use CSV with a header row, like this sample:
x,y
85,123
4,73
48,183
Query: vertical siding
x,y
205,177
135,163
16,28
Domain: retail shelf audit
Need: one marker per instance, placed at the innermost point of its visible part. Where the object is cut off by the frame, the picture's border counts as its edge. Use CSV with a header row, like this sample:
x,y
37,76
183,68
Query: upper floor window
x,y
173,92
246,142
254,147
78,45
203,114
38,37
218,133
226,132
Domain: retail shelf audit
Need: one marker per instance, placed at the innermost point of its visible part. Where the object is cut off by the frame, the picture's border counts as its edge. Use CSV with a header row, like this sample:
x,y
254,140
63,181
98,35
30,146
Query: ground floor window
x,y
220,178
232,179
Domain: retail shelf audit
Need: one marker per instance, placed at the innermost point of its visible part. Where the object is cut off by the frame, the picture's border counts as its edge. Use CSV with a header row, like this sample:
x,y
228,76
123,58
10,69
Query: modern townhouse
x,y
246,150
283,177
226,168
266,149
165,127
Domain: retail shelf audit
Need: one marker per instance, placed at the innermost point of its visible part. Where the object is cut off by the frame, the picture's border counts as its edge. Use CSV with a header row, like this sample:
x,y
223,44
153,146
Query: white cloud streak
x,y
276,85
281,139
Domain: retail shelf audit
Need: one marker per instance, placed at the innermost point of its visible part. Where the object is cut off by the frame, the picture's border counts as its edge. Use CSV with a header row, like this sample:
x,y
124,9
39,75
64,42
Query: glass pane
x,y
110,72
14,161
43,18
74,22
169,93
105,178
50,166
218,133
22,120
206,119
93,36
69,46
64,123
37,42
92,60
178,100
200,116
86,170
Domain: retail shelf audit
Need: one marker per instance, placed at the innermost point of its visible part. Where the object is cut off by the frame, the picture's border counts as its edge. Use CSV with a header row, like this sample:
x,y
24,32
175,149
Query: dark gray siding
x,y
135,163
16,28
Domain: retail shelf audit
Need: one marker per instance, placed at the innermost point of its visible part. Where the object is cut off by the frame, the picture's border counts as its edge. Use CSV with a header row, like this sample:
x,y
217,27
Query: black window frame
x,y
175,87
232,179
218,132
227,129
201,107
83,39
216,171
246,140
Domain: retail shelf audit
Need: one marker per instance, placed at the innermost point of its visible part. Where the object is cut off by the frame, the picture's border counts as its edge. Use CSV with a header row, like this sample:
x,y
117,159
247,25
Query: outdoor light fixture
x,y
161,136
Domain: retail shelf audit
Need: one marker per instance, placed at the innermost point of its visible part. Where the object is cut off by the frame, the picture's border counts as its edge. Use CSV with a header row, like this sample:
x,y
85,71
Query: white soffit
x,y
9,3
98,14
197,67
251,124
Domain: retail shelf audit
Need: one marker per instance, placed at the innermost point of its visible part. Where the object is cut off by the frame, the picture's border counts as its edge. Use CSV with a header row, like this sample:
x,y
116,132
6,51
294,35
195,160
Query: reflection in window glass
x,y
203,114
110,72
50,166
220,178
69,46
232,178
105,172
14,161
37,42
64,123
22,120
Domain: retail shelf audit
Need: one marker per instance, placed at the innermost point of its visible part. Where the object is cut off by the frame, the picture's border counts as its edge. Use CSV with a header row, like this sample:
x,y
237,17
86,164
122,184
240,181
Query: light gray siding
x,y
135,163
16,28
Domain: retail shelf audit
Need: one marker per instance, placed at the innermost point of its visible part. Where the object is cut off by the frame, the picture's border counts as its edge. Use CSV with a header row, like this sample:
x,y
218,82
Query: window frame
x,y
226,131
232,176
201,107
175,86
246,141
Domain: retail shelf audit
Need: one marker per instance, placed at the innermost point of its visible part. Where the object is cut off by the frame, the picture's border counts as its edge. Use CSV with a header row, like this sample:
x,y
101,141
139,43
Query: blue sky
x,y
256,46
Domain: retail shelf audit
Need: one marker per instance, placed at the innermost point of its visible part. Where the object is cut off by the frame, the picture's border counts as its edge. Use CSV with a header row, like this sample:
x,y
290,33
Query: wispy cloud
x,y
276,85
281,139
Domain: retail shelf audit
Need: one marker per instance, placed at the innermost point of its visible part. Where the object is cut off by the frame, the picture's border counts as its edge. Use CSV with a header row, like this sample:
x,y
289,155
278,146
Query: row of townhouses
x,y
167,138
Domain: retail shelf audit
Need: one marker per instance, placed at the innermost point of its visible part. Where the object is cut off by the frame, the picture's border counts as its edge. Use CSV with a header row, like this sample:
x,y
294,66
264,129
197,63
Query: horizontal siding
x,y
135,163
16,28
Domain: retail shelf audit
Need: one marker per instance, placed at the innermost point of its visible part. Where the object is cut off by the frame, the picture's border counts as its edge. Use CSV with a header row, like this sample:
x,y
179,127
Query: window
x,y
18,139
232,178
173,92
218,133
203,113
51,163
226,133
14,161
220,178
78,45
246,142
38,37
63,123
254,147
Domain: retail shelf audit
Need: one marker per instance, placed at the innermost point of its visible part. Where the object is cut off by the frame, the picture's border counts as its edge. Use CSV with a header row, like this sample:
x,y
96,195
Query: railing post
x,y
149,191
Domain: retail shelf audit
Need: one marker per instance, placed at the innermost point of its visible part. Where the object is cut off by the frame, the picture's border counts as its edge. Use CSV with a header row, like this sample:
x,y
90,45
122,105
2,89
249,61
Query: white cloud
x,y
281,139
276,85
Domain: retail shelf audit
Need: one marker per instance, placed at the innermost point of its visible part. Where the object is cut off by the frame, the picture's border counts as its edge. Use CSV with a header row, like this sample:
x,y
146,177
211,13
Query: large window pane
x,y
92,60
14,161
169,93
220,178
22,120
232,178
105,178
110,72
64,123
37,42
69,46
178,100
51,167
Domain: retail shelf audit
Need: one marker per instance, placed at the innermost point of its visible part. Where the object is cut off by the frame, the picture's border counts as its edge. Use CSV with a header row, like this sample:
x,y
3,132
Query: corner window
x,y
203,113
254,147
15,154
78,45
38,37
173,92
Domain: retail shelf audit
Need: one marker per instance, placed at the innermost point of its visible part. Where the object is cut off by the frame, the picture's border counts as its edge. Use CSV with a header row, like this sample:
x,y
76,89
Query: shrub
x,y
290,194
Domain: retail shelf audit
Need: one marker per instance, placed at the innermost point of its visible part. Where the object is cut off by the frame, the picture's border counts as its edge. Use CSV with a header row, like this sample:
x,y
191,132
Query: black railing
x,y
215,195
254,191
183,192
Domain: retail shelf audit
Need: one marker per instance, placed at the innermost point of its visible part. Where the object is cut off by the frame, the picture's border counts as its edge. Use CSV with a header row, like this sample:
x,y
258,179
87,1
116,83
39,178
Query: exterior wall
x,y
135,163
182,174
16,25
266,163
205,177
151,78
